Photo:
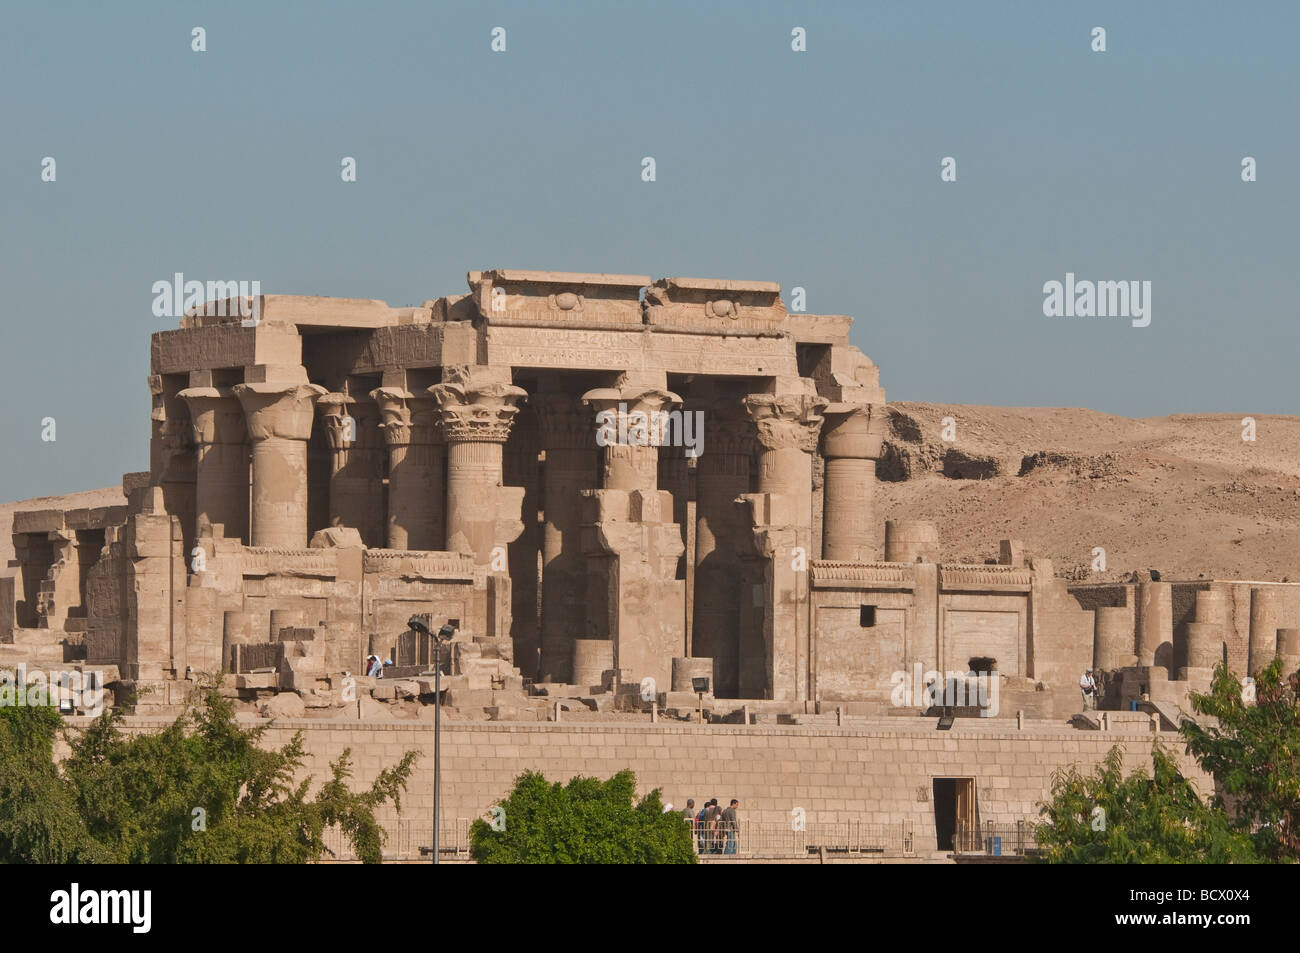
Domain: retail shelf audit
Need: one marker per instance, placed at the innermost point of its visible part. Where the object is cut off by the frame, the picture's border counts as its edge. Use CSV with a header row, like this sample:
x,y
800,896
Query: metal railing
x,y
755,839
407,840
410,840
1006,840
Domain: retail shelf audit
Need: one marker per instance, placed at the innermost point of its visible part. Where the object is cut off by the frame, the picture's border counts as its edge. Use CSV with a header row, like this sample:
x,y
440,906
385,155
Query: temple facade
x,y
606,482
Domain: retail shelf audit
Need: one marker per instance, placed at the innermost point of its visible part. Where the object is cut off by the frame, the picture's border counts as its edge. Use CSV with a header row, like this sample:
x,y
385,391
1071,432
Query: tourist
x,y
701,829
715,824
689,813
730,826
373,666
1089,689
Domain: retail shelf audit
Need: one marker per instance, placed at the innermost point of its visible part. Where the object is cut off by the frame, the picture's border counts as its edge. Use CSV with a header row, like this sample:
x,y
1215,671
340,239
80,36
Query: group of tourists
x,y
716,829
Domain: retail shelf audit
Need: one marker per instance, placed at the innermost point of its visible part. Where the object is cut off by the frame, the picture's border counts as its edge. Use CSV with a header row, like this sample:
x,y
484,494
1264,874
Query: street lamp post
x,y
437,737
444,634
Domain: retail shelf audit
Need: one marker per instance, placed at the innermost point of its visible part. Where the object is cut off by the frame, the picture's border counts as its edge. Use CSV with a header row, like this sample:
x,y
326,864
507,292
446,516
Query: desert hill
x,y
1182,494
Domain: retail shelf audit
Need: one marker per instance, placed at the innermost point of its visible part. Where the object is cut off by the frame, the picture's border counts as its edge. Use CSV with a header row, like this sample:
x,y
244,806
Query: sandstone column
x,y
173,460
788,426
1288,647
568,437
1155,621
635,597
416,458
722,475
476,406
521,470
1265,616
356,470
279,418
852,438
781,513
630,429
221,487
1112,638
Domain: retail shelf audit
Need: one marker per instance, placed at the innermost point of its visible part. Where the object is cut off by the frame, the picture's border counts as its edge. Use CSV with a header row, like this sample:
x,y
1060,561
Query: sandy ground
x,y
1182,494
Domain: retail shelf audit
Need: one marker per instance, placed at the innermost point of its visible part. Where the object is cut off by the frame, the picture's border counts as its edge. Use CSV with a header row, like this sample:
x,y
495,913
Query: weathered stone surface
x,y
283,705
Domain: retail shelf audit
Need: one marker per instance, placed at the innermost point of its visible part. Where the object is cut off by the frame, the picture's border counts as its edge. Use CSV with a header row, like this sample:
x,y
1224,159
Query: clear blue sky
x,y
818,169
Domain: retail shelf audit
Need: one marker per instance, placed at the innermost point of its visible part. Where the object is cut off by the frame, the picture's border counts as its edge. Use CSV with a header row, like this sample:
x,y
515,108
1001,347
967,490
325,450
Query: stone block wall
x,y
879,774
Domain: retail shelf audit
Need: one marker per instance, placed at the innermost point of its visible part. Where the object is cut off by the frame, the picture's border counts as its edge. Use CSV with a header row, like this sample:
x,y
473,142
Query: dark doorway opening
x,y
954,811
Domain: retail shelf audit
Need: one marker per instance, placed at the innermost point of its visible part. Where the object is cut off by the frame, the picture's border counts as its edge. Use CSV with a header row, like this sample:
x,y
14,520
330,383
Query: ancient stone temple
x,y
606,482
610,471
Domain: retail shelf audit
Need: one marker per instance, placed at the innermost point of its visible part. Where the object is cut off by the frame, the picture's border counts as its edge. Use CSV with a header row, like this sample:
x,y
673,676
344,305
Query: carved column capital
x,y
406,418
339,421
216,415
278,410
631,415
786,421
632,423
474,407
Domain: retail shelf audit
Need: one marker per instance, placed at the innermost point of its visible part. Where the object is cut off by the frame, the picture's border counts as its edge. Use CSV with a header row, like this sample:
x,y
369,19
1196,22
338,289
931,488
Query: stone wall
x,y
880,773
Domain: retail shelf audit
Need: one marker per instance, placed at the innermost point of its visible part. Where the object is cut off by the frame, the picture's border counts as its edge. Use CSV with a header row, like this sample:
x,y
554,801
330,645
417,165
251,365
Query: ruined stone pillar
x,y
911,541
416,457
722,475
1288,647
635,598
279,418
1155,622
852,438
1112,638
476,407
568,437
781,517
356,465
1204,645
1265,616
221,486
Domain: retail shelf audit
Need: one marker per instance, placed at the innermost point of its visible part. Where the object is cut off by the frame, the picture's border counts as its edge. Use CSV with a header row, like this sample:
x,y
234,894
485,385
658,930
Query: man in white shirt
x,y
1089,689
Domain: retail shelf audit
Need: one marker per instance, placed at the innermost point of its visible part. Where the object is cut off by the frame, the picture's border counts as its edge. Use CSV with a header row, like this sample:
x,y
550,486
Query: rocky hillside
x,y
1183,494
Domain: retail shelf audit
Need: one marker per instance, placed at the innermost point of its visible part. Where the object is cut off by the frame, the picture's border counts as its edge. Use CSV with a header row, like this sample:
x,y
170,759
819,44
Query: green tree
x,y
1252,749
587,821
203,790
39,822
1107,818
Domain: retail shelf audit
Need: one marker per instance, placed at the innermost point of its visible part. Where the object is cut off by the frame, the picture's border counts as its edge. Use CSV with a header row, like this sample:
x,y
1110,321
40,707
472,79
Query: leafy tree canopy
x,y
587,821
1108,818
1252,749
201,791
